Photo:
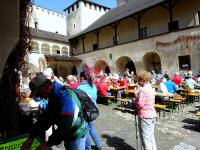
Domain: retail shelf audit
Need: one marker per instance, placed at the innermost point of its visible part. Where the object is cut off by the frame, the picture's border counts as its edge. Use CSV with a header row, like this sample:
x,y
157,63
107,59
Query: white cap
x,y
177,73
189,72
48,73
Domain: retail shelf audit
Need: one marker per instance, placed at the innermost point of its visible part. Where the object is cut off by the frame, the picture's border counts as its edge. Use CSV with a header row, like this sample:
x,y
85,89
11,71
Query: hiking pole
x,y
136,130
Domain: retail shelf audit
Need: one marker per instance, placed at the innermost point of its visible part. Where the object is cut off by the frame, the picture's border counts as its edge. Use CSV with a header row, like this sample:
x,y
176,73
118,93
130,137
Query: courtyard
x,y
177,131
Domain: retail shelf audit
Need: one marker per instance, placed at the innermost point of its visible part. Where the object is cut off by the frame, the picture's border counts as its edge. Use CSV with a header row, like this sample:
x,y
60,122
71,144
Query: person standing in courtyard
x,y
63,110
87,86
144,104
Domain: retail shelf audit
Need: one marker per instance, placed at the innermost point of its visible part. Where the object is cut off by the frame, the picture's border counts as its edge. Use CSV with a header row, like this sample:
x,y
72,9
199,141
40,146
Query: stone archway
x,y
35,47
152,62
101,65
125,62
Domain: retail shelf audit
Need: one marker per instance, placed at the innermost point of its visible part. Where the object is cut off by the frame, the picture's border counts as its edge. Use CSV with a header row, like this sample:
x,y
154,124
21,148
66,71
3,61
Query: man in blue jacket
x,y
64,110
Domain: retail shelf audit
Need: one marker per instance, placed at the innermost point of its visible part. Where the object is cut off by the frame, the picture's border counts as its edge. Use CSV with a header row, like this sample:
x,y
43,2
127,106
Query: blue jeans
x,y
146,128
95,136
76,145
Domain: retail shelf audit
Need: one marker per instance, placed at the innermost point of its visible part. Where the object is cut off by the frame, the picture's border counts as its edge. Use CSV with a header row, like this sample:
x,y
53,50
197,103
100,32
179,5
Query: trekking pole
x,y
136,130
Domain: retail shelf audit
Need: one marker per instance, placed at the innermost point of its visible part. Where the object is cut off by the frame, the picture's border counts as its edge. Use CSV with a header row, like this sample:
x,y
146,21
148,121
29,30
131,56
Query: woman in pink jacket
x,y
144,104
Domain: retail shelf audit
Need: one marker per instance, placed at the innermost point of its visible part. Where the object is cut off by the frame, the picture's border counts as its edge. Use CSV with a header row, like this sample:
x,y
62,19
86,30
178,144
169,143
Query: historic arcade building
x,y
160,35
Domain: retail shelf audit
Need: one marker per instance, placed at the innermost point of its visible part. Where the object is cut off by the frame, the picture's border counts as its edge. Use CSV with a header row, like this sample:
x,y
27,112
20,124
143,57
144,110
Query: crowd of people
x,y
66,112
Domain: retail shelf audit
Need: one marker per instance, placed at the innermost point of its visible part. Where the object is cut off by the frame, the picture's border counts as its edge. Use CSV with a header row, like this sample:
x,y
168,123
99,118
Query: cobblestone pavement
x,y
177,131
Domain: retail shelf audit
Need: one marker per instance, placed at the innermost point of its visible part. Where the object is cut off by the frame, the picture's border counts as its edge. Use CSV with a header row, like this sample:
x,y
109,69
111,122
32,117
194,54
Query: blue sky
x,y
60,5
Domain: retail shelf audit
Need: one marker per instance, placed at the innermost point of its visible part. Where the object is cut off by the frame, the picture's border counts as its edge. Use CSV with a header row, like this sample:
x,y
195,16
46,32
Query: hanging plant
x,y
10,79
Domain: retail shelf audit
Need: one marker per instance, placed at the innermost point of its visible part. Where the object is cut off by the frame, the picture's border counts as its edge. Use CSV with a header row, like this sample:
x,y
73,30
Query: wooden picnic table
x,y
131,91
132,86
117,88
155,86
170,95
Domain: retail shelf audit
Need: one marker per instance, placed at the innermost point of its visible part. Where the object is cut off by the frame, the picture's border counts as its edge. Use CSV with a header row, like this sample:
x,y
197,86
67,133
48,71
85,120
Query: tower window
x,y
144,32
36,24
74,26
77,5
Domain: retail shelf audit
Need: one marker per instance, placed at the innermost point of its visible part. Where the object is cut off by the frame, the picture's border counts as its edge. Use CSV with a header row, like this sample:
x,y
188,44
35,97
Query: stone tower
x,y
81,14
121,2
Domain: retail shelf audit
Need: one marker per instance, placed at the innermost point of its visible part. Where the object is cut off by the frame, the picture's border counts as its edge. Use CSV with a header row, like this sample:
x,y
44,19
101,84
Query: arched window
x,y
35,47
55,50
65,51
45,49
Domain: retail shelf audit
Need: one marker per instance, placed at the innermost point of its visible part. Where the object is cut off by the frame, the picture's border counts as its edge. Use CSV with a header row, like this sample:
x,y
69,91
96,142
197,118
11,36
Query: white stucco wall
x,y
48,20
9,25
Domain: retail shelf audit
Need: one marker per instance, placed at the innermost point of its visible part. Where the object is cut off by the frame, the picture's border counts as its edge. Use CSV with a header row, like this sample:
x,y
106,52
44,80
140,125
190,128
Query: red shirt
x,y
124,83
177,80
73,85
103,88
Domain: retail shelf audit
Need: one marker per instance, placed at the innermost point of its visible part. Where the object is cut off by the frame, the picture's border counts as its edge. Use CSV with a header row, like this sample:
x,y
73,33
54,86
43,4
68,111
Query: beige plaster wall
x,y
106,37
89,41
127,30
156,19
9,25
185,12
137,50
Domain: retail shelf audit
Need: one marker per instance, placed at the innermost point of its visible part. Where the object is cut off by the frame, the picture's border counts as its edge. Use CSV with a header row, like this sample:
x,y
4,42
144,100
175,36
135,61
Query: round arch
x,y
101,65
55,49
45,48
64,50
152,62
125,62
35,47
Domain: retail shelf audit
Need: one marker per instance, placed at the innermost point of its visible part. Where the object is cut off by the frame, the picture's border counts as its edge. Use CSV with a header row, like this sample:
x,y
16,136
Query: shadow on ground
x,y
197,107
117,143
192,124
192,111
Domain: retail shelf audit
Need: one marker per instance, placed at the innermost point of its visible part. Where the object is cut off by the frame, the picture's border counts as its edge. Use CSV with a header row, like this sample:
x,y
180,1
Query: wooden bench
x,y
183,100
198,113
109,99
160,107
175,101
124,102
194,96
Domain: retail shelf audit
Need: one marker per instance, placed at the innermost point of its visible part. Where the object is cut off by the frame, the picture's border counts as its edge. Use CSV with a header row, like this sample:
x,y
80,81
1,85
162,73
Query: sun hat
x,y
36,83
177,73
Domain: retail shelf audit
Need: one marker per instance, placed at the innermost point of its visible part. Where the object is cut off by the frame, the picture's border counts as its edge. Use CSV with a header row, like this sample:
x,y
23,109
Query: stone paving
x,y
177,131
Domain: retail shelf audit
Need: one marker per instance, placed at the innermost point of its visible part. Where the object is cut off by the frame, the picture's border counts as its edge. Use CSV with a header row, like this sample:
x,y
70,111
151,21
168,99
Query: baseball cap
x,y
36,83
